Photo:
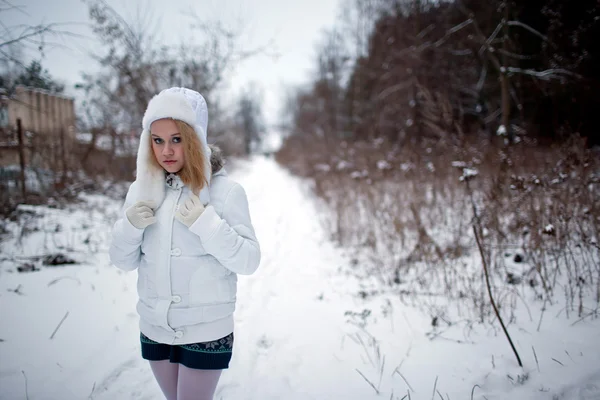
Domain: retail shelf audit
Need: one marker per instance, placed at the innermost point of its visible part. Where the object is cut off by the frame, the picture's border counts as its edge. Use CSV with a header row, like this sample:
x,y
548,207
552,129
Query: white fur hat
x,y
177,103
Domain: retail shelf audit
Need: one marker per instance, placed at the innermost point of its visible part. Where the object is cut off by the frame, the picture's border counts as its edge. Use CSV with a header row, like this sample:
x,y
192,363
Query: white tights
x,y
179,382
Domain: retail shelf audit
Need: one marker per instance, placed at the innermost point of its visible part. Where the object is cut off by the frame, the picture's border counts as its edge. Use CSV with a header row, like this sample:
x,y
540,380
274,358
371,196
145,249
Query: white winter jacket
x,y
187,278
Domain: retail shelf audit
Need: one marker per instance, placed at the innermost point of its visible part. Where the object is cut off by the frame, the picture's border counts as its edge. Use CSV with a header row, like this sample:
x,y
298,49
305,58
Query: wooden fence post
x,y
22,158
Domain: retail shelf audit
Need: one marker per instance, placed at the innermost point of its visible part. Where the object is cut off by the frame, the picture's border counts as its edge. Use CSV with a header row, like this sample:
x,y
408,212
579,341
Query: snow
x,y
549,229
342,165
383,164
35,179
501,130
359,174
302,332
468,173
322,167
459,164
405,167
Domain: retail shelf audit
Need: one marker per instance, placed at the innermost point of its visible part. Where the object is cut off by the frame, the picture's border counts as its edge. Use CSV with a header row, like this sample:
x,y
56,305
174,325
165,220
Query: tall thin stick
x,y
489,290
476,223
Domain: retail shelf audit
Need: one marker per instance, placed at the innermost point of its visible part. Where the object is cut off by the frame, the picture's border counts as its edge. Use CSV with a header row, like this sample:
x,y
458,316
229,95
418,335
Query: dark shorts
x,y
215,354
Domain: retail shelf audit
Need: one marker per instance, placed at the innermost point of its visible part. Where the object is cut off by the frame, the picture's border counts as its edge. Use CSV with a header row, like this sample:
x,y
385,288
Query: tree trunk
x,y
418,126
504,78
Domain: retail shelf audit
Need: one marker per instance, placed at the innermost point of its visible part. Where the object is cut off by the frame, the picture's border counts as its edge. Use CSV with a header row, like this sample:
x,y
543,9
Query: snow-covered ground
x,y
301,330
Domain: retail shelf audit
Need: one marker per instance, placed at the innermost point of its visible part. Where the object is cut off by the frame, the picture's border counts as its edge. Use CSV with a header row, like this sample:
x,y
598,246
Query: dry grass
x,y
410,213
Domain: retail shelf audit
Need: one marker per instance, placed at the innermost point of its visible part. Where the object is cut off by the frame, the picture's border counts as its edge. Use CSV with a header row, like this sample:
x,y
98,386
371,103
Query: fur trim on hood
x,y
177,103
217,161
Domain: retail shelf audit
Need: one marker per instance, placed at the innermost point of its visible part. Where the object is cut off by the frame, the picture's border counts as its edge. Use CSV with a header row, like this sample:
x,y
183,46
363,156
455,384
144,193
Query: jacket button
x,y
176,252
178,334
176,299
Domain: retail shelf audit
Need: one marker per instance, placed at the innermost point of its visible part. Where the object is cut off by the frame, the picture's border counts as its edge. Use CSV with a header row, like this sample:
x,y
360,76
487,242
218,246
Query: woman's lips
x,y
170,162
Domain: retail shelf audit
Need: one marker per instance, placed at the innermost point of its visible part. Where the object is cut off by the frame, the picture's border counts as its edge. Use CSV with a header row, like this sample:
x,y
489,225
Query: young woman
x,y
186,228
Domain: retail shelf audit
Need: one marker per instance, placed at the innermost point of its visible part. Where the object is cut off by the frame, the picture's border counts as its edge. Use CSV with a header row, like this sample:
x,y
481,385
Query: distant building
x,y
39,110
50,117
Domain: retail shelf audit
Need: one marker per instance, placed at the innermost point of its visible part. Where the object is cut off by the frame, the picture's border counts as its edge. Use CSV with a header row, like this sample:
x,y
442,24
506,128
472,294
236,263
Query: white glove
x,y
141,214
188,212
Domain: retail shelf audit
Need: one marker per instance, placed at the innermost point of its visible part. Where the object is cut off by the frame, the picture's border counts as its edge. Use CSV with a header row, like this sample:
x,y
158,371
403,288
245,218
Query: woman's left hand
x,y
188,212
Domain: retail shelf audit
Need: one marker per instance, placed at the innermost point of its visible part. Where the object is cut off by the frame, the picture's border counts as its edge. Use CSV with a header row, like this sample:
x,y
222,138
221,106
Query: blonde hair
x,y
192,173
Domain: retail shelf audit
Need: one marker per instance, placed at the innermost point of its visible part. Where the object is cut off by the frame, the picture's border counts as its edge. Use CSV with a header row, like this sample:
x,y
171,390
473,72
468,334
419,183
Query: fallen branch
x,y
594,312
473,390
52,282
554,359
536,359
368,381
58,326
17,290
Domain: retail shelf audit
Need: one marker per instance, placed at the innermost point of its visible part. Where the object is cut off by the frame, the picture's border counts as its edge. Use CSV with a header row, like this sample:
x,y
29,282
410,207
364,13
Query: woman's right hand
x,y
141,214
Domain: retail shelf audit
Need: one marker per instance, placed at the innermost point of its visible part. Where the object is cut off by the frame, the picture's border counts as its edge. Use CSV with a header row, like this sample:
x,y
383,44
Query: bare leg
x,y
197,384
166,374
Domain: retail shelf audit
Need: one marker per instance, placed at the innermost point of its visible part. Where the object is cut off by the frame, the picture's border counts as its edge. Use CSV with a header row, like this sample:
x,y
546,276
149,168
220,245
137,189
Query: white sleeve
x,y
231,239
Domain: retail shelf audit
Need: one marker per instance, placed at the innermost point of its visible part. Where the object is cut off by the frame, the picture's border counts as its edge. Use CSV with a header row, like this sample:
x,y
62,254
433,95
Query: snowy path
x,y
287,336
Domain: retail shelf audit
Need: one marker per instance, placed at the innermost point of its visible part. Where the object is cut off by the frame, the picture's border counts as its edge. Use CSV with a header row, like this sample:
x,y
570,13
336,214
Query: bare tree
x,y
358,18
250,118
19,39
136,64
502,54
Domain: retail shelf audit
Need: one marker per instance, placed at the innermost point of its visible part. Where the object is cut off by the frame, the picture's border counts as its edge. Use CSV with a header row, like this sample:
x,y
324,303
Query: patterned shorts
x,y
215,354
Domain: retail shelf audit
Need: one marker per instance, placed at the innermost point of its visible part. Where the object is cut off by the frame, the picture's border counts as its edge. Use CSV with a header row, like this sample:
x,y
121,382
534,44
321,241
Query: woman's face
x,y
167,145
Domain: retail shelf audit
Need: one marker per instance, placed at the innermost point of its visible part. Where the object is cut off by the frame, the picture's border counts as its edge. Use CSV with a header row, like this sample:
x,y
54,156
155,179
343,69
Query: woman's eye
x,y
177,140
157,140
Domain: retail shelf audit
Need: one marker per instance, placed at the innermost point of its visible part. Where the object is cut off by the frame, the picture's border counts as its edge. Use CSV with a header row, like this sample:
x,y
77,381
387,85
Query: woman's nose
x,y
167,150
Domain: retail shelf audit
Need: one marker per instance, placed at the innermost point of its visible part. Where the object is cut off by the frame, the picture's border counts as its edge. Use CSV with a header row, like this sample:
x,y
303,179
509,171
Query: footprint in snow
x,y
264,343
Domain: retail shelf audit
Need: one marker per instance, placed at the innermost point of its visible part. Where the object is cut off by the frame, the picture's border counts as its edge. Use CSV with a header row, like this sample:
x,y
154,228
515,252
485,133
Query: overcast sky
x,y
293,27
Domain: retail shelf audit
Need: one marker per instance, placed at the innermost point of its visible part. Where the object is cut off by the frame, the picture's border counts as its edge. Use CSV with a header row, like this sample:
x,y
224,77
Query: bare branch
x,y
515,56
395,88
530,29
489,41
38,30
452,31
549,74
11,6
425,31
463,52
482,77
12,58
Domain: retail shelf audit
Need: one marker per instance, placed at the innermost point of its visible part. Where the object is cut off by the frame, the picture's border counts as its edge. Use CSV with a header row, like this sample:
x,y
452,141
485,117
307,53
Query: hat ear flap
x,y
143,154
149,175
206,150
